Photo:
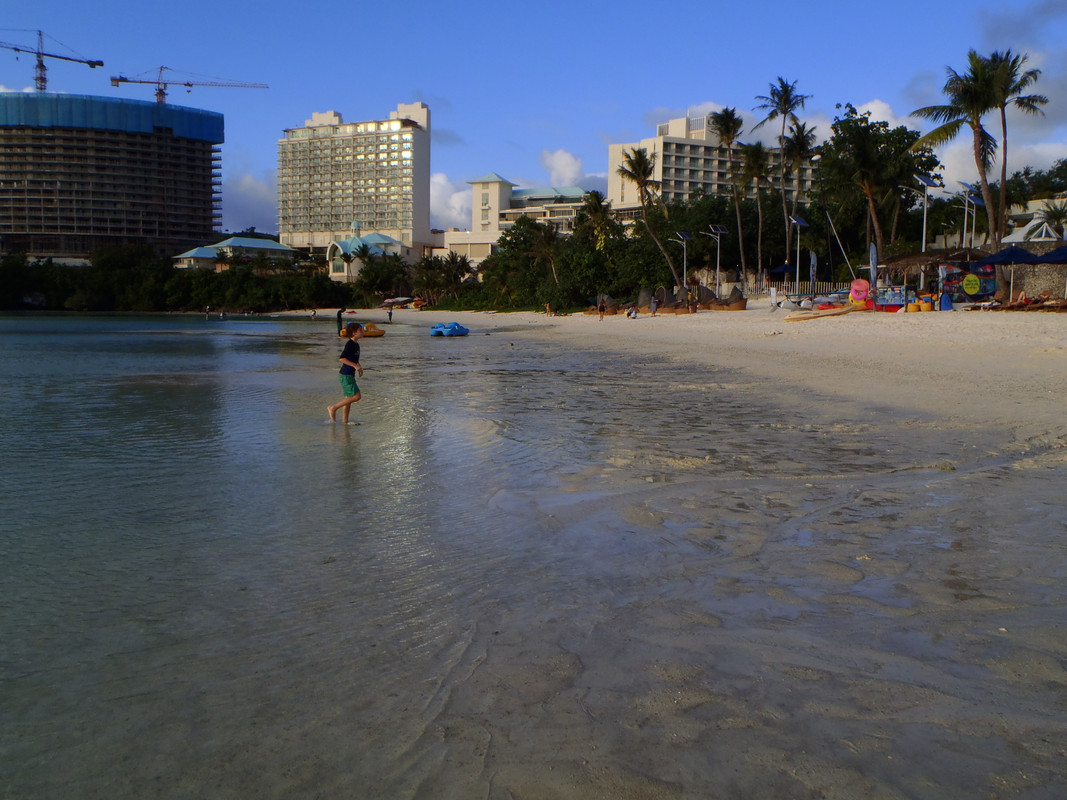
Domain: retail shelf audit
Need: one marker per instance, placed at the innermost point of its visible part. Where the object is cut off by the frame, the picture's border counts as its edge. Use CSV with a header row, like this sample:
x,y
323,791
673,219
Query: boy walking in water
x,y
350,368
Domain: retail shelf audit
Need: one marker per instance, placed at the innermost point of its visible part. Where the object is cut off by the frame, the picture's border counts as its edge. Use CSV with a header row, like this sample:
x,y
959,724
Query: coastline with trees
x,y
869,189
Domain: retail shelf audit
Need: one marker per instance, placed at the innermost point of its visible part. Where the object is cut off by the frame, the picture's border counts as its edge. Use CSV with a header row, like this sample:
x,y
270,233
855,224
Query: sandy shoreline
x,y
1005,369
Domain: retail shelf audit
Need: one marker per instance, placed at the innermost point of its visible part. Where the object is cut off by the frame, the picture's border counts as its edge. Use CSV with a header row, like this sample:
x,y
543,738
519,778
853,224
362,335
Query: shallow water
x,y
528,572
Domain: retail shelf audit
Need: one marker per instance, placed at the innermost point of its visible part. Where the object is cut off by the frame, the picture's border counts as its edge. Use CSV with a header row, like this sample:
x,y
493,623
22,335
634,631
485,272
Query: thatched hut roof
x,y
912,262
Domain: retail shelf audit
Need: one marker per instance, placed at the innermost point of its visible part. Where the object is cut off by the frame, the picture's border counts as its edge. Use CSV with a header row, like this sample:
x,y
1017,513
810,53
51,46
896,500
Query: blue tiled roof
x,y
253,244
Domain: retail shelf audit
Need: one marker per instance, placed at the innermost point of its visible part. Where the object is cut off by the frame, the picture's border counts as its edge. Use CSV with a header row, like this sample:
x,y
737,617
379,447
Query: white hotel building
x,y
338,179
690,159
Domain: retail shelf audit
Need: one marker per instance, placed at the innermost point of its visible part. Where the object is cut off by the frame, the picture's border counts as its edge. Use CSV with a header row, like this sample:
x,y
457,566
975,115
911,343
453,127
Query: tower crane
x,y
40,76
162,82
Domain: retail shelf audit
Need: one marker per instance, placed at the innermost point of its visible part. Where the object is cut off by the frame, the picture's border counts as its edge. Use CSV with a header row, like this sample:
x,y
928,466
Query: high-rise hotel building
x,y
78,173
690,160
337,179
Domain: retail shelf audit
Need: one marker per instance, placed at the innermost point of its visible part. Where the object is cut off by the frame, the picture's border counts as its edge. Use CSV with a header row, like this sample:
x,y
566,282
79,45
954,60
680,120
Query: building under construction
x,y
78,173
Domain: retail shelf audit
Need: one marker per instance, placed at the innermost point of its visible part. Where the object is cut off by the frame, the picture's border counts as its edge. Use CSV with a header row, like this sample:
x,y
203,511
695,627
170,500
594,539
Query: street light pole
x,y
683,237
716,232
800,223
927,183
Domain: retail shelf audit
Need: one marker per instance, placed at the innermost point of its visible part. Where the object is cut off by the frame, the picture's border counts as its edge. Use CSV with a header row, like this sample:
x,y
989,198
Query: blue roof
x,y
200,252
48,110
250,243
492,177
575,193
380,238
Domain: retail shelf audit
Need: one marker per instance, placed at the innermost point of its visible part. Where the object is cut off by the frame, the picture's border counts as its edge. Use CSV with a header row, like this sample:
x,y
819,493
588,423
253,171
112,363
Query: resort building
x,y
78,173
497,203
219,257
690,160
338,179
346,257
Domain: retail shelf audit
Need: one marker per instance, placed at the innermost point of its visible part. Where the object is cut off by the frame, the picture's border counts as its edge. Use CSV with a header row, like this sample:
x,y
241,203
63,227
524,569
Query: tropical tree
x,y
797,149
545,245
754,162
638,167
1055,214
970,97
596,217
727,125
1010,80
862,163
782,103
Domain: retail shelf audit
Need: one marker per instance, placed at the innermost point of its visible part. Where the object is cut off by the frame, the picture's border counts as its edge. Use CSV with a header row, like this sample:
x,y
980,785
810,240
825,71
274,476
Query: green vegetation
x,y
866,181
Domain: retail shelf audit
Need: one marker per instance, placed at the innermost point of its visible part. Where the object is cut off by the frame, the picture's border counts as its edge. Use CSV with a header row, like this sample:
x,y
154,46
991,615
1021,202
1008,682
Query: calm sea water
x,y
528,572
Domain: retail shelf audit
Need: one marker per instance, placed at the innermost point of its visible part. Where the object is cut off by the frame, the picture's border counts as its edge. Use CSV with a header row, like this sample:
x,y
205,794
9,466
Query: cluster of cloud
x,y
250,202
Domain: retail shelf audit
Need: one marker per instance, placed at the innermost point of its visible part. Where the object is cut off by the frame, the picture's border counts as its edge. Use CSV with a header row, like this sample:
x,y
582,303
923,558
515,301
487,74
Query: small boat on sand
x,y
370,329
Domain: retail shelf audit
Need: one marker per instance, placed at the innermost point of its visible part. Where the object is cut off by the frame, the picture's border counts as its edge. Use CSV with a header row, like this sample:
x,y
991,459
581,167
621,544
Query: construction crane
x,y
161,83
40,77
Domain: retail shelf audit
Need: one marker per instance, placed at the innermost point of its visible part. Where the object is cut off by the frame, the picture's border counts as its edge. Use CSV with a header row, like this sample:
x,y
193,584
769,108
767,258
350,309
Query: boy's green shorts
x,y
349,385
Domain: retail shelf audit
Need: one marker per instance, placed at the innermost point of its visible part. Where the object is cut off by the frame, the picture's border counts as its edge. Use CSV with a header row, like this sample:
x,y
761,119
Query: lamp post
x,y
971,201
683,238
816,162
715,232
927,183
800,223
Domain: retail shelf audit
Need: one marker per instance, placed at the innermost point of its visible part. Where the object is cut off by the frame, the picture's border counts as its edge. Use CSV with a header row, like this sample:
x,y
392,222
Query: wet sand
x,y
1009,367
875,608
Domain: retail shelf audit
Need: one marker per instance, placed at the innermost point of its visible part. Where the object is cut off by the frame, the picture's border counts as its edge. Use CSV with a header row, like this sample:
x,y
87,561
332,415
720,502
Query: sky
x,y
537,91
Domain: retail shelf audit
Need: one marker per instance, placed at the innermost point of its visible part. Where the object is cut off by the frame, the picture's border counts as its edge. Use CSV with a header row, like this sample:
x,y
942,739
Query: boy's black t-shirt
x,y
351,352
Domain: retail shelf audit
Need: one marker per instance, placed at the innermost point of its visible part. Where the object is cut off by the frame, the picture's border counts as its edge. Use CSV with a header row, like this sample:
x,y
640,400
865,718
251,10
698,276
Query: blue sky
x,y
536,92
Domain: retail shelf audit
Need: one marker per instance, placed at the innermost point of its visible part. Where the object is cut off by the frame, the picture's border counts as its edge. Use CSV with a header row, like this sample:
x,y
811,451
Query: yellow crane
x,y
162,82
40,76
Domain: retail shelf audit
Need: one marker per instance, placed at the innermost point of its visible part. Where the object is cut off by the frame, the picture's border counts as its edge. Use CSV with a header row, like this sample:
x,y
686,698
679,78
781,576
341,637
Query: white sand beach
x,y
992,367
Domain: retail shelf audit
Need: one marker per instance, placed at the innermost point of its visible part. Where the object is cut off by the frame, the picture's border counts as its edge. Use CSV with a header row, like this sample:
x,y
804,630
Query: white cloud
x,y
563,168
250,202
450,203
881,111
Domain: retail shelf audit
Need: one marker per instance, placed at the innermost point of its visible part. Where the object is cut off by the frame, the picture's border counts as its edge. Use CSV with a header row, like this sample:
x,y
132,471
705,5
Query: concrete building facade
x,y
338,179
496,203
690,160
78,173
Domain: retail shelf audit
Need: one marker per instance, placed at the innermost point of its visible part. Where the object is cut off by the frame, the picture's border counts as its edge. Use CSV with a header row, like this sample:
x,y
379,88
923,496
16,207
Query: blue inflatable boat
x,y
448,329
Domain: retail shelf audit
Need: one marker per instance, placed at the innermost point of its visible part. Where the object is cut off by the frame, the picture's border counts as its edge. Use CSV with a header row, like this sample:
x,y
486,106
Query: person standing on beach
x,y
350,368
340,322
602,308
653,304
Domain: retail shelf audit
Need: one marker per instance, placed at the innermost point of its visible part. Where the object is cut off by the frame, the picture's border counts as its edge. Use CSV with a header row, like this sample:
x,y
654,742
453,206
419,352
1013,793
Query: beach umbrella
x,y
1057,256
1011,255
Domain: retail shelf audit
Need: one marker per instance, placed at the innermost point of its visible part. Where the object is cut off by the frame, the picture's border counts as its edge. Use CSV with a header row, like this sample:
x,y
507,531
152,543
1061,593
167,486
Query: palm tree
x,y
545,245
754,169
1010,80
970,97
638,167
1055,214
727,125
782,103
457,269
595,214
798,148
